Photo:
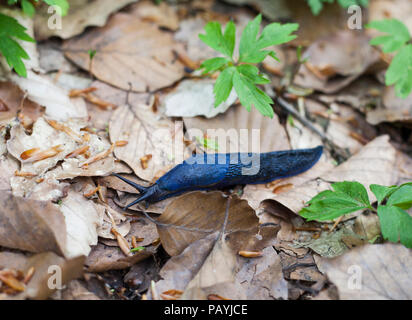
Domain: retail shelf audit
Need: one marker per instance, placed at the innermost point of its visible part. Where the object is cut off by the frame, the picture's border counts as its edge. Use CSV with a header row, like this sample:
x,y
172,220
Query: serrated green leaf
x,y
396,224
248,39
250,96
276,33
212,65
223,85
354,190
230,36
401,198
398,34
252,73
9,48
381,192
347,197
10,27
250,48
317,5
215,39
28,8
62,4
399,71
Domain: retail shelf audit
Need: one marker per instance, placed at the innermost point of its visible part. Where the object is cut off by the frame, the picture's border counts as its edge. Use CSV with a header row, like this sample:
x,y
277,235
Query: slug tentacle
x,y
140,188
216,171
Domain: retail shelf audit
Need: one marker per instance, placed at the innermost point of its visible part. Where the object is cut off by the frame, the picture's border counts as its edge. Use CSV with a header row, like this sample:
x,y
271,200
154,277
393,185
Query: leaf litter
x,y
69,125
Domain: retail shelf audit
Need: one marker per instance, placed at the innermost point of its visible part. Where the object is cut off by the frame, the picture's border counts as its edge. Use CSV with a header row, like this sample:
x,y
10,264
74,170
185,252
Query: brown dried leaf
x,y
82,13
205,213
139,58
31,225
379,271
38,287
346,54
146,134
234,122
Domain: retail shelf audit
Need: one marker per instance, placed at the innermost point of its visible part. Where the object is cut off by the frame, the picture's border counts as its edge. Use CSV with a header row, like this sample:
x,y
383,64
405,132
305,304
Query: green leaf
x,y
354,190
230,36
347,197
250,48
215,39
317,5
401,198
223,85
248,39
396,224
398,34
250,96
62,4
276,33
400,73
11,50
252,73
381,192
214,64
27,8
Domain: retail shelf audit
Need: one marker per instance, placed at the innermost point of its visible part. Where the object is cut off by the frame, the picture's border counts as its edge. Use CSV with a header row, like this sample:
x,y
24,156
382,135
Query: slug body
x,y
216,171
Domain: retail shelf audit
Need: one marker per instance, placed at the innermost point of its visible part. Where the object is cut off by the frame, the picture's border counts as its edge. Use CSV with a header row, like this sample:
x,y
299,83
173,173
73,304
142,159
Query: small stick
x,y
338,151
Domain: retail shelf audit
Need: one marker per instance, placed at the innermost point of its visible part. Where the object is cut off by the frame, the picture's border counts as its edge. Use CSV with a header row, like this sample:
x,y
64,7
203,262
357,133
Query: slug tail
x,y
140,188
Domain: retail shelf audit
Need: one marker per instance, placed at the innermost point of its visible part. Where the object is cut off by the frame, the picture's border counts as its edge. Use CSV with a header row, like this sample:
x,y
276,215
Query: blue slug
x,y
219,170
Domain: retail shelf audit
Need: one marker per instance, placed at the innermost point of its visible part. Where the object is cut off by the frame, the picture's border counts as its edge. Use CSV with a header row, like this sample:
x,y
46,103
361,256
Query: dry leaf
x,y
371,272
346,54
146,134
30,225
179,102
204,212
82,13
241,130
39,286
82,220
131,54
163,14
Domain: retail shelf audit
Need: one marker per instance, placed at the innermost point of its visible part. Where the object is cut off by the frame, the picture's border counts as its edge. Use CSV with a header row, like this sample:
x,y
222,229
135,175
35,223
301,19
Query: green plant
x,y
243,74
28,7
397,39
11,30
317,5
347,197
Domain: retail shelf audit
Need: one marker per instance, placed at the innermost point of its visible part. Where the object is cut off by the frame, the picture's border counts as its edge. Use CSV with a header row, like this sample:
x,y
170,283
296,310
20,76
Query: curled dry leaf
x,y
30,225
140,58
103,258
78,17
392,109
162,14
202,213
13,102
146,134
82,220
38,287
216,276
262,279
382,271
179,102
346,54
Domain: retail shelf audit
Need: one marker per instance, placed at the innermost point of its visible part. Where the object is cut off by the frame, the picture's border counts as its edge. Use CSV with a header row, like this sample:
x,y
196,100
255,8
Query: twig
x,y
340,153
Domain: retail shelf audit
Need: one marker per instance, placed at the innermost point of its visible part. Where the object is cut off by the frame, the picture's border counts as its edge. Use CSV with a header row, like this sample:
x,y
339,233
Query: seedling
x,y
350,196
243,74
397,40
